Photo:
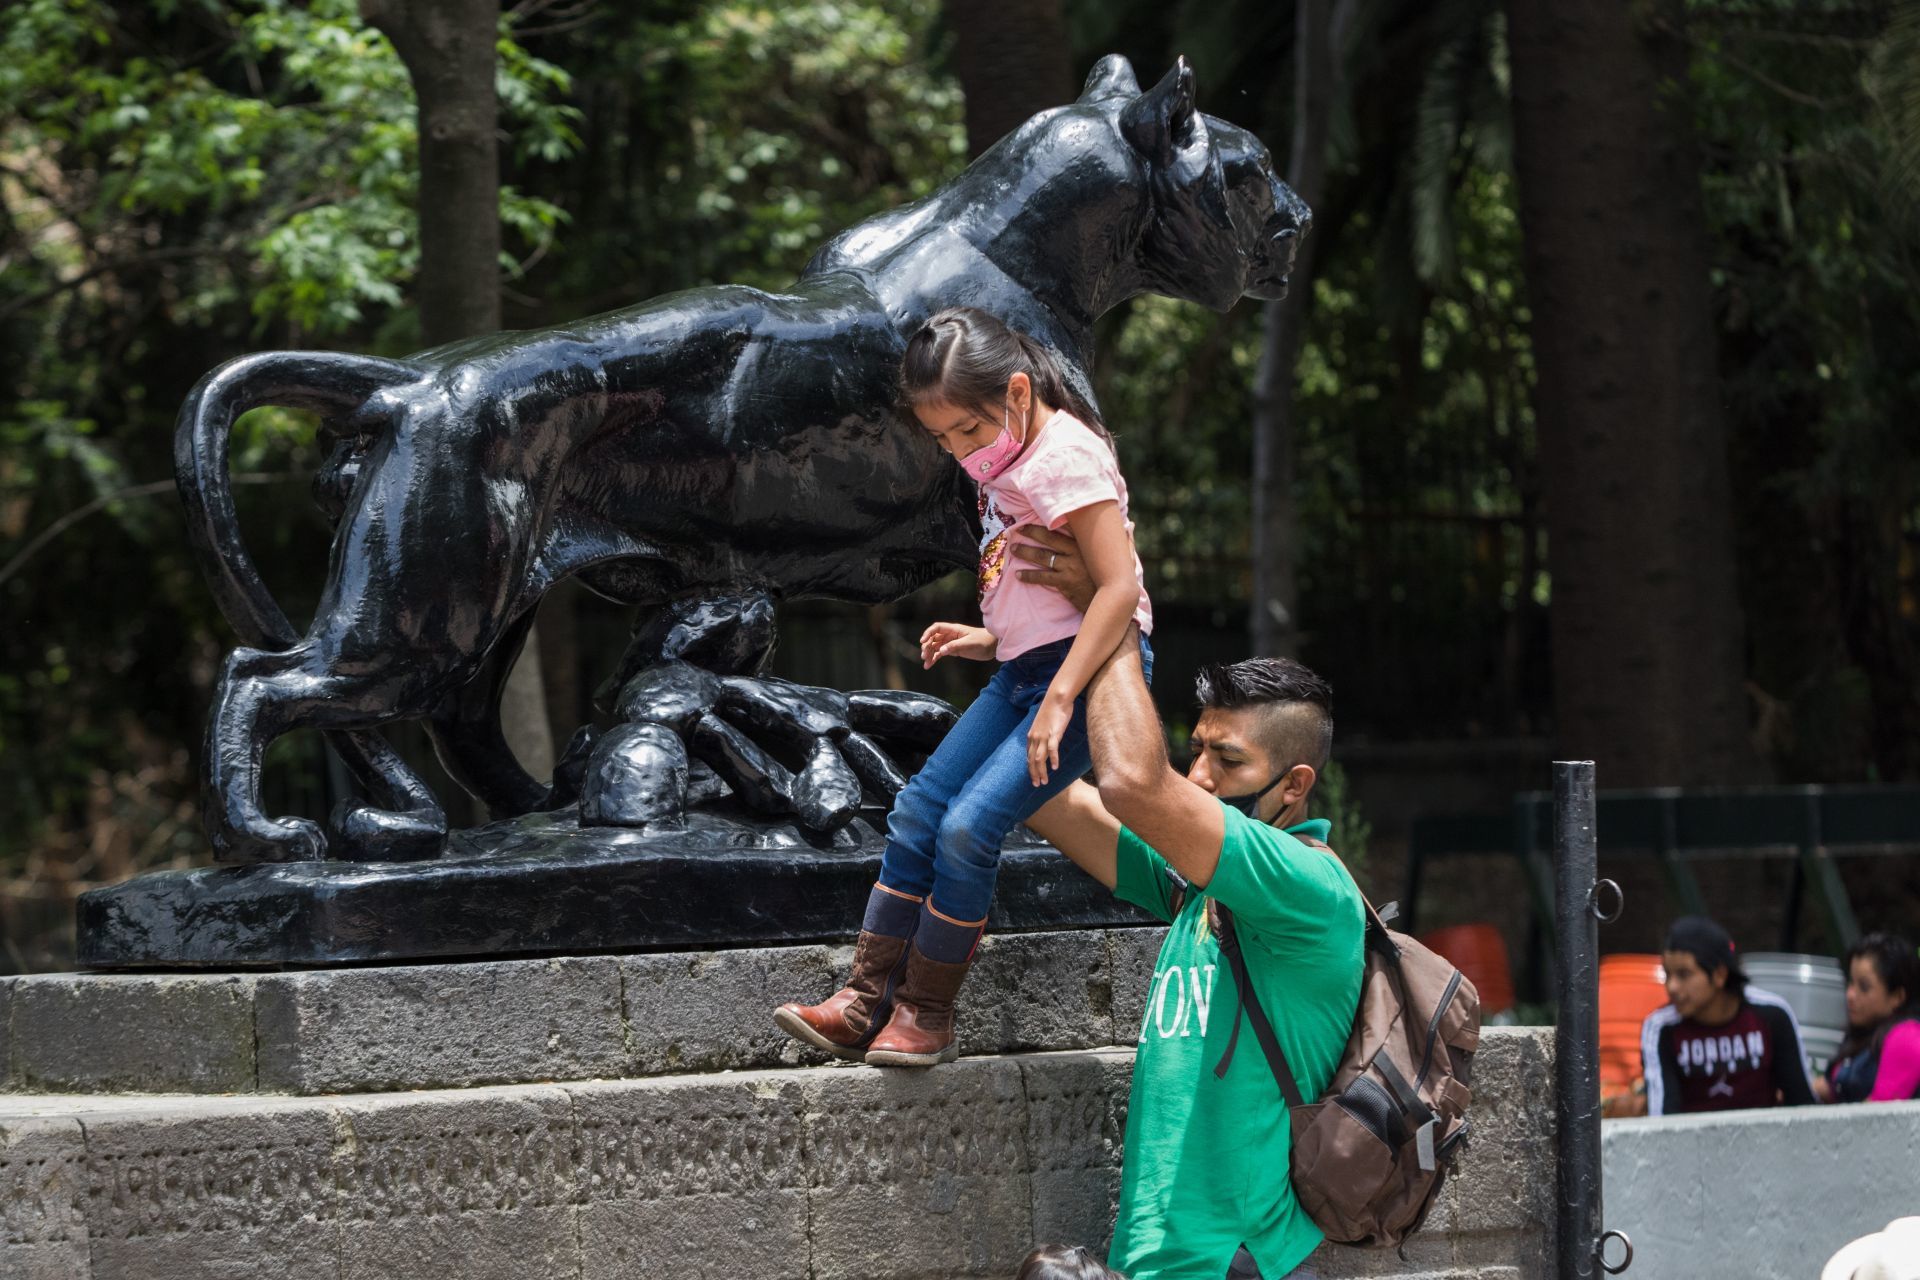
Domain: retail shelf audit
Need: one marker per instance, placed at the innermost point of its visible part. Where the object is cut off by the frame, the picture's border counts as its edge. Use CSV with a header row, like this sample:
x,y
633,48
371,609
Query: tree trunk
x,y
1012,60
1272,624
448,48
1645,621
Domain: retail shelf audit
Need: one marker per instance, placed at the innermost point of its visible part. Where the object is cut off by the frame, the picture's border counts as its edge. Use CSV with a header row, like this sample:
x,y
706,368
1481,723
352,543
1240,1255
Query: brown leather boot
x,y
846,1022
921,1033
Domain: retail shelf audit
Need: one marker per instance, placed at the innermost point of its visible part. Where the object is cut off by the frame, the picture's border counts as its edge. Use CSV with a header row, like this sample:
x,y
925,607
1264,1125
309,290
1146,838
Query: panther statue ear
x,y
1111,77
1161,121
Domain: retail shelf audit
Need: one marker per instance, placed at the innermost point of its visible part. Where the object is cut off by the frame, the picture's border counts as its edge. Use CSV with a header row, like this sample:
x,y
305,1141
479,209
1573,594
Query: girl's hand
x,y
1043,740
955,640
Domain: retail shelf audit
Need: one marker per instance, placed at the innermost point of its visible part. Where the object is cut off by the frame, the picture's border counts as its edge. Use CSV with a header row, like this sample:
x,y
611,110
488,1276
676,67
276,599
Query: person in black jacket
x,y
1720,1044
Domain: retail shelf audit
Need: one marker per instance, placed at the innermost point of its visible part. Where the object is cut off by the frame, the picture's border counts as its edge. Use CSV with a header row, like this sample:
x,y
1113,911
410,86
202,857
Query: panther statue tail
x,y
327,383
334,386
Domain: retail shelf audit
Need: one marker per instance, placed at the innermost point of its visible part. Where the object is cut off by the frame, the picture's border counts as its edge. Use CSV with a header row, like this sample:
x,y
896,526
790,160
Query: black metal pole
x,y
1576,1061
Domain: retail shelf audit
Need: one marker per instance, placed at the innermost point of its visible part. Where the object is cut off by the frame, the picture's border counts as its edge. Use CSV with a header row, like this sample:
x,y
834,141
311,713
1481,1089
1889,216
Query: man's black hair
x,y
1296,720
1710,945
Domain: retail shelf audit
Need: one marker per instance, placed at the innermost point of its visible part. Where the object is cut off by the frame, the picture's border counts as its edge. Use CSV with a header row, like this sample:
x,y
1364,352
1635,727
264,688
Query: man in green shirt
x,y
1205,1191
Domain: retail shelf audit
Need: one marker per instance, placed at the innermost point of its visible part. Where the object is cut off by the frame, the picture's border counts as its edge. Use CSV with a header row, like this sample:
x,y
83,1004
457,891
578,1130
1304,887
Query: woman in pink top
x,y
1880,1059
996,400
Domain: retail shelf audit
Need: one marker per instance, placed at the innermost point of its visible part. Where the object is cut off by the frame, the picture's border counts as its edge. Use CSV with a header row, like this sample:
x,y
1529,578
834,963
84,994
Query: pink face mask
x,y
990,460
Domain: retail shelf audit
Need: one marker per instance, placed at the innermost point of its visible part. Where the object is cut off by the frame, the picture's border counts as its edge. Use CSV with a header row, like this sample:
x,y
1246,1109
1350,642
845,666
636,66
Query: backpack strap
x,y
1376,919
1249,1003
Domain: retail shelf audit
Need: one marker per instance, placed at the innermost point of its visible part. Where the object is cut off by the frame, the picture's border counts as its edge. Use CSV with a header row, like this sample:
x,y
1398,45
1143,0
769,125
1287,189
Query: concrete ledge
x,y
524,1021
1764,1194
844,1173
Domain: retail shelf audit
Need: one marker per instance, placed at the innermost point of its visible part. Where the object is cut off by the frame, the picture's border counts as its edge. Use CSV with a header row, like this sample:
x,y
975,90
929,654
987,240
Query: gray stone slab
x,y
713,1010
1037,991
6,1032
478,1184
526,1021
440,1026
150,1033
43,1235
188,1190
1133,954
1076,1131
918,1174
1499,1187
694,1178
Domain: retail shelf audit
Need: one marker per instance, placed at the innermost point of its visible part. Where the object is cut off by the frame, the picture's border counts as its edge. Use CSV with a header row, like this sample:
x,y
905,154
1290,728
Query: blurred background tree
x,y
186,181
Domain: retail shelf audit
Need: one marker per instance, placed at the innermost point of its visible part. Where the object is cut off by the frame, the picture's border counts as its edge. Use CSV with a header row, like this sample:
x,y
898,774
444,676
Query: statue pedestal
x,y
542,885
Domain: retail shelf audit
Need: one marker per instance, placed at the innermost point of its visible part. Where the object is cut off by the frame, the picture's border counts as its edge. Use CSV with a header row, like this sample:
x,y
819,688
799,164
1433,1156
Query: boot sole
x,y
890,1058
796,1026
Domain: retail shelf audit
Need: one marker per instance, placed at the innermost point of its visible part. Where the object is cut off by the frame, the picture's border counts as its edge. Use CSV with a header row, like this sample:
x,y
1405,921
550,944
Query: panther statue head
x,y
1221,224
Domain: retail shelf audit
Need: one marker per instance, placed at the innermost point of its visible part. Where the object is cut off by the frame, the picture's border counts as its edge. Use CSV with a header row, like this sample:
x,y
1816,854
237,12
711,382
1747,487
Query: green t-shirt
x,y
1206,1166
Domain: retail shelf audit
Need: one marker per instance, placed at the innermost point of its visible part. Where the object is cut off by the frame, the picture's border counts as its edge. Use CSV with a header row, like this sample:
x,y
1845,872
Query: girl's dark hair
x,y
1893,959
964,356
1064,1262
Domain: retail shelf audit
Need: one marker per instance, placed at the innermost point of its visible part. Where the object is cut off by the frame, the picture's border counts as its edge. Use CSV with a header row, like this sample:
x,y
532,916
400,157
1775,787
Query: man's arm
x,y
1078,825
1178,819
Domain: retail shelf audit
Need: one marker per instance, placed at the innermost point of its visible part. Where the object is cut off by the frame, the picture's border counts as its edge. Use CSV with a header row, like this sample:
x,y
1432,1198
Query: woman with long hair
x,y
1879,1061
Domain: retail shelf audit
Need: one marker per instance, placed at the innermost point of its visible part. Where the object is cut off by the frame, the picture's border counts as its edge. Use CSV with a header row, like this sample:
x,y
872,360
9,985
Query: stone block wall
x,y
623,1116
512,1021
838,1173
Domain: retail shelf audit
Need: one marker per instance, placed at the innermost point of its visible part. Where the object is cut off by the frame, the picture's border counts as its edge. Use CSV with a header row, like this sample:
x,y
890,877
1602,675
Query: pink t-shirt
x,y
1066,468
1899,1074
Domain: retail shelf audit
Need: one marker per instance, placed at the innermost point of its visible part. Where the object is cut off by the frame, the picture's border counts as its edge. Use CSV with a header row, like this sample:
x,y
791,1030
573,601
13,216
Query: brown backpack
x,y
1370,1155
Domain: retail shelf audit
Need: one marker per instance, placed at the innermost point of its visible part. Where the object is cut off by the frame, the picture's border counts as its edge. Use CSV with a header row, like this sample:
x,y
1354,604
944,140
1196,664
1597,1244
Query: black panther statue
x,y
722,443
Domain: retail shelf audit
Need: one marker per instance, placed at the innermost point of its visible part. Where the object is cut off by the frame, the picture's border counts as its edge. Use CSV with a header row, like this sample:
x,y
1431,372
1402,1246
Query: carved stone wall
x,y
837,1173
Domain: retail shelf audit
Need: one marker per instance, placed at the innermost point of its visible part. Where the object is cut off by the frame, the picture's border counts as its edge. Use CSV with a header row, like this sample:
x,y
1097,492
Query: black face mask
x,y
1246,803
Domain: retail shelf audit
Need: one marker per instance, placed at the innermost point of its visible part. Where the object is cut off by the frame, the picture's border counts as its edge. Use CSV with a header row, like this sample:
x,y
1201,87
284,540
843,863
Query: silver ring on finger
x,y
1051,557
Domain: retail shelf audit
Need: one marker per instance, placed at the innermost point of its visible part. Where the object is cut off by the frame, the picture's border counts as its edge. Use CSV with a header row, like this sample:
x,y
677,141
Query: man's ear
x,y
1161,121
1111,77
1720,976
1298,785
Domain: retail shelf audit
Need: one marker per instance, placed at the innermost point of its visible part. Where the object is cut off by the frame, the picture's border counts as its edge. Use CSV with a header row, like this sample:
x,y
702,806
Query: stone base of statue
x,y
604,1116
544,885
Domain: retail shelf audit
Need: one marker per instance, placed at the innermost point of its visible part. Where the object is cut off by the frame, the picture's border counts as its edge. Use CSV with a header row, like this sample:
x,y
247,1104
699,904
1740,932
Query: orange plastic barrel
x,y
1632,985
1477,951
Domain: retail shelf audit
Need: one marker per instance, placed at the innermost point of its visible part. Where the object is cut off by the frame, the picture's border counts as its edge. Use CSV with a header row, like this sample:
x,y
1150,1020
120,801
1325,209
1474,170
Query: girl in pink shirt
x,y
997,401
1880,1058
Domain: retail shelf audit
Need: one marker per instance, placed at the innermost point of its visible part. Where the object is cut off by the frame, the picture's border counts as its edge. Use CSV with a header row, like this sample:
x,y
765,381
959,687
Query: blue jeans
x,y
945,831
1245,1268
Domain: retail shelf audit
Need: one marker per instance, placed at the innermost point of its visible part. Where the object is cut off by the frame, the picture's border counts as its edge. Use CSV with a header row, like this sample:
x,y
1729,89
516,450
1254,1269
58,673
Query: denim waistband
x,y
1051,654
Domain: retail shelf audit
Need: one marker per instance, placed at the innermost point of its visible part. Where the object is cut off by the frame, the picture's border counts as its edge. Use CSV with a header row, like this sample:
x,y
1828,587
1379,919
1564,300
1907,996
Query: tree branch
x,y
147,490
108,267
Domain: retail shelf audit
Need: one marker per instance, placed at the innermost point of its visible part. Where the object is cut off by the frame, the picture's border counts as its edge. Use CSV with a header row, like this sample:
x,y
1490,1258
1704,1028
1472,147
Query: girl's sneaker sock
x,y
890,913
945,939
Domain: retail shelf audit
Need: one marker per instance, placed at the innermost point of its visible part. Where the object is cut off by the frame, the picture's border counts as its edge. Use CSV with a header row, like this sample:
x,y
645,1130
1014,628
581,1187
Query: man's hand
x,y
955,640
1057,556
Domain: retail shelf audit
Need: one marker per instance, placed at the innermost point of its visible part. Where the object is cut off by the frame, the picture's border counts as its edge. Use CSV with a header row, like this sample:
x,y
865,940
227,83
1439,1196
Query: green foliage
x,y
1806,118
1333,799
178,184
752,132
